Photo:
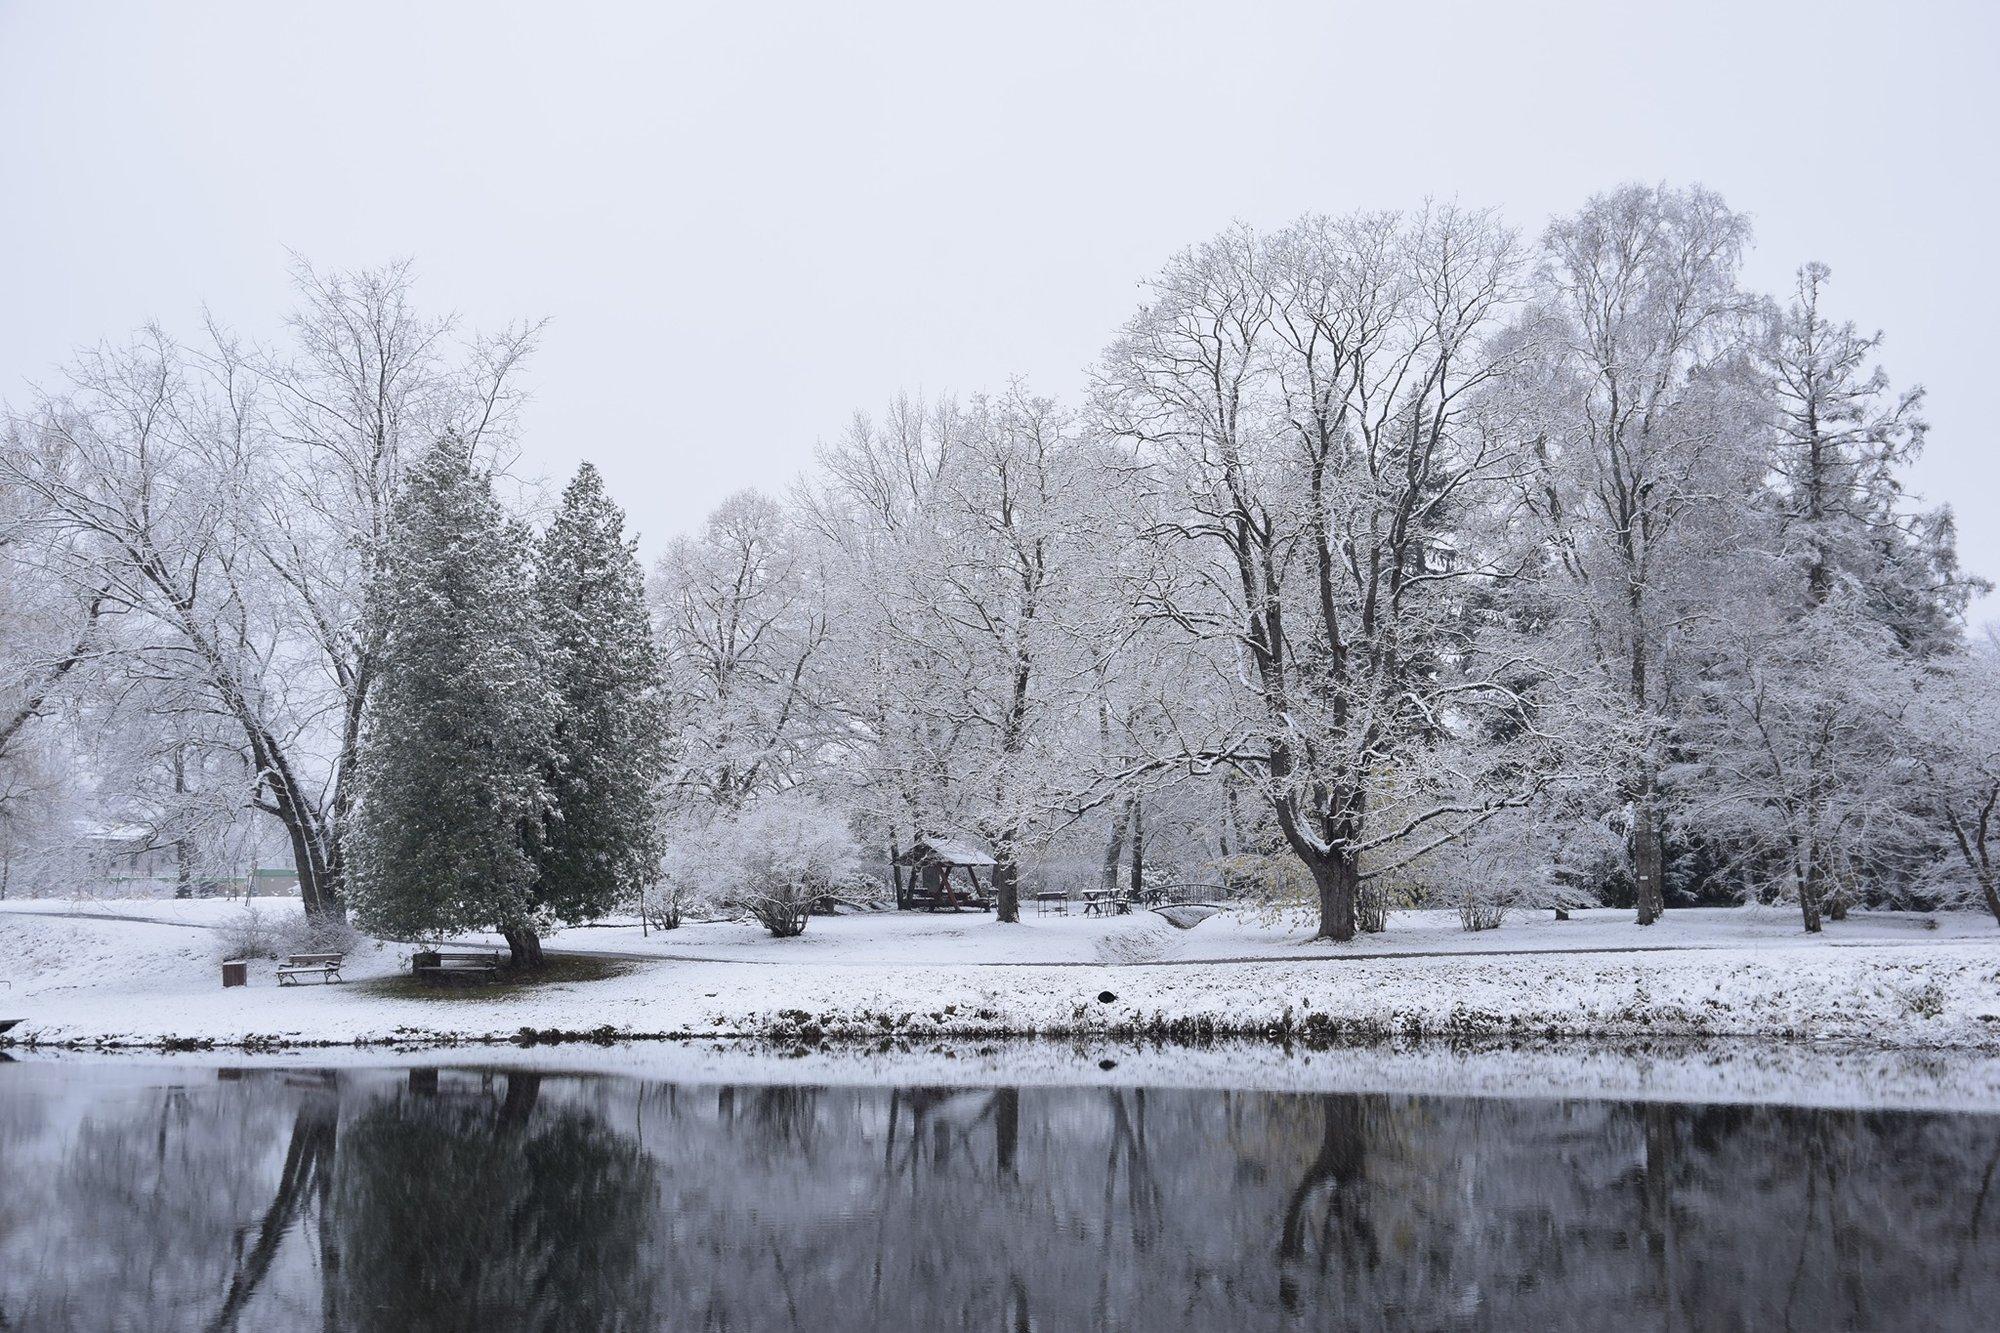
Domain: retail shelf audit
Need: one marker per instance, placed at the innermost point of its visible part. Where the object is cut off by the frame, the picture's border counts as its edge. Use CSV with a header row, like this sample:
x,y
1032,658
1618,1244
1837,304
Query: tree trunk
x,y
524,946
183,849
1114,850
1647,858
1337,878
896,874
1138,845
1977,851
1006,885
1810,892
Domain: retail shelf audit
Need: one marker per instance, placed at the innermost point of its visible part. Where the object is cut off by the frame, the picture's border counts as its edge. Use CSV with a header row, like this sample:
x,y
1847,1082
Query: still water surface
x,y
164,1197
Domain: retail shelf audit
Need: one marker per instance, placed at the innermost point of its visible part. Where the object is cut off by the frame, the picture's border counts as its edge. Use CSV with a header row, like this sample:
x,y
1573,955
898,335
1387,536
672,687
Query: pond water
x,y
161,1196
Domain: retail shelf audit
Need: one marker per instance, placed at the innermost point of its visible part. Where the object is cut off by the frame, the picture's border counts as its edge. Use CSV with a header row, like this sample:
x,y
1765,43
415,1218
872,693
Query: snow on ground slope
x,y
1880,979
917,938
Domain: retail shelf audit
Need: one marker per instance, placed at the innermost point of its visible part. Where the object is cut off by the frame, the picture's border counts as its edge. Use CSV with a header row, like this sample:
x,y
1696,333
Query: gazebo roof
x,y
943,852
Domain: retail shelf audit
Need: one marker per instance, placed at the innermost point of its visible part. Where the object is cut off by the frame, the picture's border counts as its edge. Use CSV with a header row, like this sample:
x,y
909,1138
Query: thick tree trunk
x,y
896,875
1006,886
1114,850
524,946
1647,861
1337,877
1810,893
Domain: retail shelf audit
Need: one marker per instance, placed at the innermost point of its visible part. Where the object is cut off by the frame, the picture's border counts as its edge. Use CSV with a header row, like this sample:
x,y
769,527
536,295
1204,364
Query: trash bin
x,y
235,972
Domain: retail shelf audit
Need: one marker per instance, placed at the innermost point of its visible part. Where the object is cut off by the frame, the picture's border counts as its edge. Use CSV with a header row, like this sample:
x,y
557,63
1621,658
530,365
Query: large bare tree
x,y
234,500
1307,409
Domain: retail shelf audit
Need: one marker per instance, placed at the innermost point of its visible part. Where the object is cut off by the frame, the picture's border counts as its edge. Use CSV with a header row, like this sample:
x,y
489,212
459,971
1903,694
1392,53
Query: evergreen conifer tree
x,y
601,844
460,721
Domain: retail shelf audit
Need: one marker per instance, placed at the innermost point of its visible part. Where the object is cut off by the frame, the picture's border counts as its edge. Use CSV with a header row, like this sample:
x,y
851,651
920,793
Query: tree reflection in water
x,y
442,1199
461,1209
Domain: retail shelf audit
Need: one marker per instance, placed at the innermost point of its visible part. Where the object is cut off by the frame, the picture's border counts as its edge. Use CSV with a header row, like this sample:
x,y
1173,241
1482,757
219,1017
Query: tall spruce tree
x,y
601,844
459,739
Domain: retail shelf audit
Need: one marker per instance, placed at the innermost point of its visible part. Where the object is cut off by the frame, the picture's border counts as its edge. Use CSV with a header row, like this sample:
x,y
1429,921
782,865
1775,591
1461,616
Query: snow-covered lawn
x,y
918,938
1879,978
912,937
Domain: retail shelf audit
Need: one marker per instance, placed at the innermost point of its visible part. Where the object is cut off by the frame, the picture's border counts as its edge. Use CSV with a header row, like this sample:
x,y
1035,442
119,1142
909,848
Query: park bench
x,y
446,965
325,966
950,899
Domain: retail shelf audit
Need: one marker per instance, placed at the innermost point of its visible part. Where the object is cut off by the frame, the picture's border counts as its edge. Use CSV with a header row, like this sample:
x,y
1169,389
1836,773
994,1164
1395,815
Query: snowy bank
x,y
1735,1072
1888,983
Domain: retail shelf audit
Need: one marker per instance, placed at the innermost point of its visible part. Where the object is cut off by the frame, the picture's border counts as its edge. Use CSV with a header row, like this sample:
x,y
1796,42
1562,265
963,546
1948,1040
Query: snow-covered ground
x,y
145,971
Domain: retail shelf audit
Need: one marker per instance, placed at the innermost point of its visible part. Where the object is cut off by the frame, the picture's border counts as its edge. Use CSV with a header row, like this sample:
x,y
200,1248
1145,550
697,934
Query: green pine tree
x,y
601,844
460,720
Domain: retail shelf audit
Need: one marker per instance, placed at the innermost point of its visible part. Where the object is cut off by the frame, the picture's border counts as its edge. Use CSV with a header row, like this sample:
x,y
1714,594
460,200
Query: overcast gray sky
x,y
747,221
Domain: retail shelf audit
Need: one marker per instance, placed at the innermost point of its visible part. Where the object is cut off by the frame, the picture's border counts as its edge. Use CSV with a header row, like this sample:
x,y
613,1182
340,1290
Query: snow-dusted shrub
x,y
663,904
773,860
1487,873
314,932
246,933
1479,912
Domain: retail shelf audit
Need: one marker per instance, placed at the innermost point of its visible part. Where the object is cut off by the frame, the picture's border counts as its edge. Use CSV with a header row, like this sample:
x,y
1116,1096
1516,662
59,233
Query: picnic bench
x,y
949,897
449,965
325,966
1103,902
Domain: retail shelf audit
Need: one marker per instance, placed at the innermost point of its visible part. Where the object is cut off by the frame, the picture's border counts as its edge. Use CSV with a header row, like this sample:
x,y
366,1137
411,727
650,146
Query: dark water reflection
x,y
276,1199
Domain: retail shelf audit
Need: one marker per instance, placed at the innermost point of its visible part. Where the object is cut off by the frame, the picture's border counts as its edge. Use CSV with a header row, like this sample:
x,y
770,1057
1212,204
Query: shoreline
x,y
1732,1071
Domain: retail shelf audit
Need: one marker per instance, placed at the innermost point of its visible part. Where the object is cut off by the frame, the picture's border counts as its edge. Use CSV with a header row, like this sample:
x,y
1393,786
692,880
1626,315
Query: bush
x,y
249,933
784,906
1480,912
245,933
774,860
316,932
663,906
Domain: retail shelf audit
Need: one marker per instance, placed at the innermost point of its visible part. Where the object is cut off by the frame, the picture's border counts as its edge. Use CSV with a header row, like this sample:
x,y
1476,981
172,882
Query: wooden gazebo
x,y
934,864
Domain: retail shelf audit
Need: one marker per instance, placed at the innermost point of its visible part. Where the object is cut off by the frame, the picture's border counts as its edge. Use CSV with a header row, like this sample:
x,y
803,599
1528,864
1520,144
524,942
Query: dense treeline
x,y
1388,558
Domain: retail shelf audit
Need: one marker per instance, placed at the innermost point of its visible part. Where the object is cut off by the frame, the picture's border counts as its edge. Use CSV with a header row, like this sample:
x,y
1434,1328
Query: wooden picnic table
x,y
1103,902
